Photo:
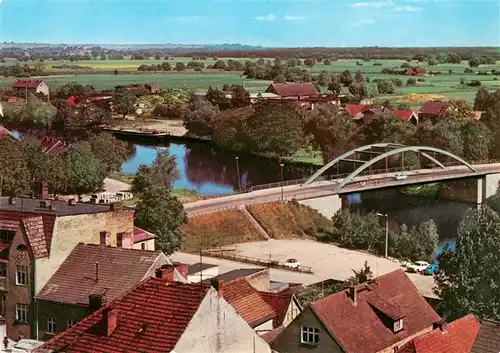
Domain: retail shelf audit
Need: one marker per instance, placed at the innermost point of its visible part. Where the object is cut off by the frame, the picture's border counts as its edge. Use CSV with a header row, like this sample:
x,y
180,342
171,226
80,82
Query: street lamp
x,y
281,167
238,172
386,233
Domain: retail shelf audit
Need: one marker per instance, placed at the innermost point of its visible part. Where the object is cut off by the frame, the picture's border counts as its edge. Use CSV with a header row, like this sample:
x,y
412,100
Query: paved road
x,y
325,188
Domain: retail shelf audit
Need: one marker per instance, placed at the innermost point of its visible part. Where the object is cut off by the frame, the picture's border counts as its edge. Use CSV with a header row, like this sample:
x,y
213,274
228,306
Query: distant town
x,y
233,198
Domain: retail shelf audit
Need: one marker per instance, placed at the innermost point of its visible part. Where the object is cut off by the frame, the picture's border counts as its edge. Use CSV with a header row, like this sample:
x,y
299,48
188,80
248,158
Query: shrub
x,y
405,65
474,83
468,71
377,64
421,80
397,82
411,82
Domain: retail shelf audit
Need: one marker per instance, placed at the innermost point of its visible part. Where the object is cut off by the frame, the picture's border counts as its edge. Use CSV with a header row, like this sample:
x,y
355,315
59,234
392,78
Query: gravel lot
x,y
326,261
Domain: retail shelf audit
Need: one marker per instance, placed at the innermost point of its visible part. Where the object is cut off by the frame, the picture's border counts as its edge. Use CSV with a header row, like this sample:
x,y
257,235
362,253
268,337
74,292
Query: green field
x,y
445,85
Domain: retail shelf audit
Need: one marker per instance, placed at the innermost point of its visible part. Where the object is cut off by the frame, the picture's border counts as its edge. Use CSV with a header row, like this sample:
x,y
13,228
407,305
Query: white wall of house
x,y
203,275
42,88
145,245
266,326
217,328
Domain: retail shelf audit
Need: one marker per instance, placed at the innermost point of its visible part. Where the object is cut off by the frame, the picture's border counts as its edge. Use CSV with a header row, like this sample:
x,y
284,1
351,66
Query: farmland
x,y
99,73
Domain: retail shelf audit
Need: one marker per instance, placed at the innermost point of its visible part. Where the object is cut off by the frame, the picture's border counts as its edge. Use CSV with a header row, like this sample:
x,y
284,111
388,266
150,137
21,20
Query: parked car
x,y
292,263
405,263
400,177
417,266
431,269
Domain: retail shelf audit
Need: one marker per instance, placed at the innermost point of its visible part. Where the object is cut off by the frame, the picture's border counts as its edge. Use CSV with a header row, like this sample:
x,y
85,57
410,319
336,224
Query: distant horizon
x,y
270,23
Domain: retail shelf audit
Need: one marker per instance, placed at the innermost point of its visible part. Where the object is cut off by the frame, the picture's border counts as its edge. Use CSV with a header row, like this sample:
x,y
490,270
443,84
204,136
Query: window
x,y
6,235
398,325
22,312
143,246
51,325
22,275
309,335
3,270
69,323
3,303
119,240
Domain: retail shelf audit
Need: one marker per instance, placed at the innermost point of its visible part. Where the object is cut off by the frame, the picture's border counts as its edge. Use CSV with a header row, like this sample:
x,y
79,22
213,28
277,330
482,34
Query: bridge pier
x,y
479,192
327,205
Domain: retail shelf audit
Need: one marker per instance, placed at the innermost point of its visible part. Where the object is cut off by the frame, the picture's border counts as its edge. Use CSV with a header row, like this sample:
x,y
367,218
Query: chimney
x,y
352,294
217,285
96,301
165,272
110,320
72,202
12,200
442,325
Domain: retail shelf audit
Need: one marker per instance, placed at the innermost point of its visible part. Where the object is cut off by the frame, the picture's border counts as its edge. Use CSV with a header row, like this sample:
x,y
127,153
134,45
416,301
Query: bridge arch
x,y
394,149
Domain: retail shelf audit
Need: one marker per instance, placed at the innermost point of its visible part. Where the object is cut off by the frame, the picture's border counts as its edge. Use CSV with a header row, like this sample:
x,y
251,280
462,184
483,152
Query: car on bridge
x,y
400,177
417,266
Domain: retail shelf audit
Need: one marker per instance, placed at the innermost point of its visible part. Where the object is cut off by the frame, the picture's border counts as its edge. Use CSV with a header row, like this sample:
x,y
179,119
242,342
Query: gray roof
x,y
235,274
198,267
488,338
60,208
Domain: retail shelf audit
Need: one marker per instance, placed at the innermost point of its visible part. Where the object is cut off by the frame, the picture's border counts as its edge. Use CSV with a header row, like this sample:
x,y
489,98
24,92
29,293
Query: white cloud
x,y
270,17
292,18
364,22
374,4
407,8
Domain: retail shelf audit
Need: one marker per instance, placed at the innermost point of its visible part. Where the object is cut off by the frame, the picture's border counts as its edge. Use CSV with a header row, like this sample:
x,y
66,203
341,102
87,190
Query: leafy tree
x,y
468,279
218,98
275,128
309,62
327,62
474,62
335,85
357,231
109,150
385,87
124,102
36,160
332,130
431,60
200,116
346,78
86,172
359,77
280,78
159,212
388,128
411,82
71,89
358,89
442,58
323,78
477,139
458,110
483,100
240,97
15,178
162,173
45,115
57,176
179,66
417,243
447,135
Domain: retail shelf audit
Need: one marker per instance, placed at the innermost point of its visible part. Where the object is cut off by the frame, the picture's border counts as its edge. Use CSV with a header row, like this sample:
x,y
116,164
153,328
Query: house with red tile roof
x,y
161,316
407,115
91,276
142,239
31,86
488,337
415,71
457,337
36,237
293,90
356,111
380,315
258,278
431,110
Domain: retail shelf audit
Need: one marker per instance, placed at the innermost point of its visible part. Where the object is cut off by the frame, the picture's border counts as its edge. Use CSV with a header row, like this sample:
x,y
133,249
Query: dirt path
x,y
174,127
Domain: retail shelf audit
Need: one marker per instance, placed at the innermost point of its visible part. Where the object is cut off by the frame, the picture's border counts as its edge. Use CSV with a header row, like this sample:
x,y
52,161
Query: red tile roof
x,y
458,337
355,109
270,336
151,318
405,114
72,101
13,226
247,302
26,83
488,338
291,89
279,303
33,227
360,328
433,108
51,145
119,270
142,235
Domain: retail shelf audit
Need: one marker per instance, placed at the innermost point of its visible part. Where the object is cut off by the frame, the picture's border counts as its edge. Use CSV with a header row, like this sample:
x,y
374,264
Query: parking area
x,y
326,261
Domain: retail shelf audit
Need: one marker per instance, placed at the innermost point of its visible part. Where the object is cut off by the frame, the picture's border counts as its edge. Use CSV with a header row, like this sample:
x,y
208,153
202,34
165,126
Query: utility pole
x,y
281,167
386,233
238,172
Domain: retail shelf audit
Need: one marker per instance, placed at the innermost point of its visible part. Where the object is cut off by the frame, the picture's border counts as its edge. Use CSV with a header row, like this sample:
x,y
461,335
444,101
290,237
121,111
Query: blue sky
x,y
347,23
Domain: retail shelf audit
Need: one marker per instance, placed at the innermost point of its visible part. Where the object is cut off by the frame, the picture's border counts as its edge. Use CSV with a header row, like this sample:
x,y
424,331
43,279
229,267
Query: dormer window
x,y
398,325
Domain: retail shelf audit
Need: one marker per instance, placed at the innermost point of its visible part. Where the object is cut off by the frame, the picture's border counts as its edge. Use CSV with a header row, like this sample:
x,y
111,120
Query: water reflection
x,y
210,171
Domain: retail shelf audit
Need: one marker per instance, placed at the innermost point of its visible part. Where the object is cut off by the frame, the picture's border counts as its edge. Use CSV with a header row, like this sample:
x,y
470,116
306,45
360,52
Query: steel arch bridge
x,y
389,150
